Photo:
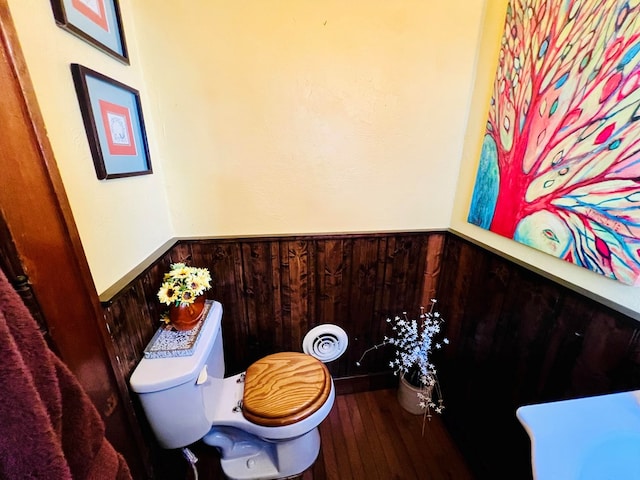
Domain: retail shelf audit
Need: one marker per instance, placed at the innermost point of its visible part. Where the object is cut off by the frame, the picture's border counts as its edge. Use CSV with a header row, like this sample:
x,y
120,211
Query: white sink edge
x,y
565,434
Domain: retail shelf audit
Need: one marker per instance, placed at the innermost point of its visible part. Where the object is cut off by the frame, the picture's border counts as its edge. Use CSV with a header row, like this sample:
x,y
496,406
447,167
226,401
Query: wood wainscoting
x,y
515,336
274,290
518,338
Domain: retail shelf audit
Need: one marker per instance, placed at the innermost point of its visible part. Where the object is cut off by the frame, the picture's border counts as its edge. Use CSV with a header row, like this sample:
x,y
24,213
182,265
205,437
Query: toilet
x,y
264,421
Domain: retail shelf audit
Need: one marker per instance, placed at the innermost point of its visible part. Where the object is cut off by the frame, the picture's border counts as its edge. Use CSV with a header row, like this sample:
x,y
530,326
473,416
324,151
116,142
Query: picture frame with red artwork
x,y
113,120
98,22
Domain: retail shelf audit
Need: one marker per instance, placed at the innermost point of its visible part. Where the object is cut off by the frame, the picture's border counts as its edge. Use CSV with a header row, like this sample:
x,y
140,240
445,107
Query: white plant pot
x,y
408,397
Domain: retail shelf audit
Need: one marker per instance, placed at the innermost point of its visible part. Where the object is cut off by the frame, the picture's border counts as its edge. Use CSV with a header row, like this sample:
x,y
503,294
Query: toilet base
x,y
245,457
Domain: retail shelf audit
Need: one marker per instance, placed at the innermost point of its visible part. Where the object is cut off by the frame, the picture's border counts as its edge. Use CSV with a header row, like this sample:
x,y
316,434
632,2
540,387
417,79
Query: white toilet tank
x,y
171,388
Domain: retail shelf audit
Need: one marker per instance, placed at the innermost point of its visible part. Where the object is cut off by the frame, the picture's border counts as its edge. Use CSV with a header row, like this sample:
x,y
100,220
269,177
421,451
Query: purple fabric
x,y
48,426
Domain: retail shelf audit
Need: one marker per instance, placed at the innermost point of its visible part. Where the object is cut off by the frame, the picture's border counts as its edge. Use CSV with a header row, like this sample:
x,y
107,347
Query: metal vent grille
x,y
325,342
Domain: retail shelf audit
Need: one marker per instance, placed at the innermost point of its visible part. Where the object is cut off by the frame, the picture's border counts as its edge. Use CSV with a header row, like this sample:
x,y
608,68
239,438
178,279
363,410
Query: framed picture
x,y
95,21
114,124
560,158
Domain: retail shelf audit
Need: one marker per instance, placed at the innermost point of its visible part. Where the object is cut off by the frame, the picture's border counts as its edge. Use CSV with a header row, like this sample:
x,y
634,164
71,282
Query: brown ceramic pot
x,y
186,317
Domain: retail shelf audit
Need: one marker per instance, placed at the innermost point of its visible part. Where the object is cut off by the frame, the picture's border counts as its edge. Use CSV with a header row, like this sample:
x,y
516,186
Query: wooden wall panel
x,y
515,337
362,289
274,290
518,338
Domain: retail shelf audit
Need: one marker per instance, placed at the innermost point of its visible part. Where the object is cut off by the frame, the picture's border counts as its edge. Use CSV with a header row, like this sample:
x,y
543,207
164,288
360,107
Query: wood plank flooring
x,y
368,436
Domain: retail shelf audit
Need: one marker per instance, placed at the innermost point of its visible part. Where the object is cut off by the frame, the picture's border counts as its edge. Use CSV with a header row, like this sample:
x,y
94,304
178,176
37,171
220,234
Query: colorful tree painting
x,y
560,162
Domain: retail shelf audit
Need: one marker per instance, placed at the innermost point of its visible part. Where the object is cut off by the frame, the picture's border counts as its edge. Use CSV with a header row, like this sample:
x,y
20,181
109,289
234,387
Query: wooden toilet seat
x,y
284,388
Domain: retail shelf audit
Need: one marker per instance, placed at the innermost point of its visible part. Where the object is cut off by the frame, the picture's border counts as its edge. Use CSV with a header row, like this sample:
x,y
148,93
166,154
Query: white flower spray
x,y
414,340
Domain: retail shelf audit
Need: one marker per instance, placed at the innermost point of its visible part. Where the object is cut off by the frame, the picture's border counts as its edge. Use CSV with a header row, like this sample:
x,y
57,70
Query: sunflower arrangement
x,y
183,284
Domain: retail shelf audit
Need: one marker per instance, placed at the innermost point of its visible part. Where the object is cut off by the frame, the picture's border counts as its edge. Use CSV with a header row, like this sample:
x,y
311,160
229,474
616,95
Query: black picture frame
x,y
98,22
113,120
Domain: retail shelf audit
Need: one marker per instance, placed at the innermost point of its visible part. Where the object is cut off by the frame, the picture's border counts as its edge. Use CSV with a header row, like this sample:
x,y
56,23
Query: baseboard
x,y
365,383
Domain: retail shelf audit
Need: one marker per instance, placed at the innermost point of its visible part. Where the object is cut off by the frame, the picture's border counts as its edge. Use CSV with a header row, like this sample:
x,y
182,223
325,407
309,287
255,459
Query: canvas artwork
x,y
559,167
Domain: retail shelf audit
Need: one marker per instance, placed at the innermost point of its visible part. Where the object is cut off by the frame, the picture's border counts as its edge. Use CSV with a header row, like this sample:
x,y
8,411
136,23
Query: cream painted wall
x,y
283,116
265,117
120,221
610,292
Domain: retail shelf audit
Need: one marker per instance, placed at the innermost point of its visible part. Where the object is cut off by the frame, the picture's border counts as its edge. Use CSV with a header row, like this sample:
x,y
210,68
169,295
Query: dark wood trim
x,y
37,213
554,278
12,267
119,287
518,338
365,383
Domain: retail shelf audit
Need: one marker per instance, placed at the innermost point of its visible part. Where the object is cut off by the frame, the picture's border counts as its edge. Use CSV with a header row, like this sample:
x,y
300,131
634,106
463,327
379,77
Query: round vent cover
x,y
325,342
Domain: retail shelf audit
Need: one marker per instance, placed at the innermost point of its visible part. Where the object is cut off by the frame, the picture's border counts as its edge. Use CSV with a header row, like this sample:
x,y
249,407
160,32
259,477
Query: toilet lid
x,y
284,388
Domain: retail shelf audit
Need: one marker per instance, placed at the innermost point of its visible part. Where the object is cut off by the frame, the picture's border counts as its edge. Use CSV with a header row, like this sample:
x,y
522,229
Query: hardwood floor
x,y
368,436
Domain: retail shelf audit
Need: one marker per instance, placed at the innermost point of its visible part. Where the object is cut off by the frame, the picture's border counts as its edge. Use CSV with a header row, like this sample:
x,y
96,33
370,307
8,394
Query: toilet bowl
x,y
264,421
